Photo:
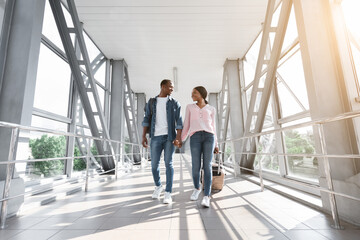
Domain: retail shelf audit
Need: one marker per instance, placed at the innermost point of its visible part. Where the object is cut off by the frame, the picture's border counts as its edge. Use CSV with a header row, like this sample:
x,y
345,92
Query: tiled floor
x,y
123,209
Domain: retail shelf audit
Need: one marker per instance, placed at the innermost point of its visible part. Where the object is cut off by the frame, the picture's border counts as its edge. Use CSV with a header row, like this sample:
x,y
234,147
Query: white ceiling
x,y
153,36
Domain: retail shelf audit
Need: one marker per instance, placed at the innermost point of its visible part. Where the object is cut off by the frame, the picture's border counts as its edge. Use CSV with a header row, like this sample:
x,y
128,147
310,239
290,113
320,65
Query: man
x,y
163,117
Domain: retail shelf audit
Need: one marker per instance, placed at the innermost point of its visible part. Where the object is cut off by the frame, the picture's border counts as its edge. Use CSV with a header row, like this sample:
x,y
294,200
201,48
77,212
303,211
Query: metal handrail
x,y
61,133
12,161
299,154
62,158
324,155
339,117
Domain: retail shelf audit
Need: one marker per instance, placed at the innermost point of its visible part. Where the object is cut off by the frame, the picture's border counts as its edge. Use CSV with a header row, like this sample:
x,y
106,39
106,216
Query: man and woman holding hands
x,y
167,130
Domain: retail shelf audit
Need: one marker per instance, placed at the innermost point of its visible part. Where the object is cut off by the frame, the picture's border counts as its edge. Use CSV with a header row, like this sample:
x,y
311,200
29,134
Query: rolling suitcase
x,y
218,177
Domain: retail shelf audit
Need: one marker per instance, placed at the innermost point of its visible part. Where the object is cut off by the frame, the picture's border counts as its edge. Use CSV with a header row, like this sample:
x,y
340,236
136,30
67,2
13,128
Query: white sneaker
x,y
206,201
167,198
195,194
157,192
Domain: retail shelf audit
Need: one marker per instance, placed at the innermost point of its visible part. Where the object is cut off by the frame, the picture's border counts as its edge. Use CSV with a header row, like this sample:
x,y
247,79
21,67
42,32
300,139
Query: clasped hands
x,y
177,143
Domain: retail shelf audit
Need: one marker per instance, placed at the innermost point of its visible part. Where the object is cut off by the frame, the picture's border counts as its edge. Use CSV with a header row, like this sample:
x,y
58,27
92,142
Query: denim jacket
x,y
174,119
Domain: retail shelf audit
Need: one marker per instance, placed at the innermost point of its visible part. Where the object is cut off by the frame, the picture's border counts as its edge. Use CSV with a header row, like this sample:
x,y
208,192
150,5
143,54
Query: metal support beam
x,y
72,110
131,118
5,36
117,100
88,95
19,56
213,101
19,66
261,90
141,102
328,97
223,113
79,118
107,92
235,104
351,76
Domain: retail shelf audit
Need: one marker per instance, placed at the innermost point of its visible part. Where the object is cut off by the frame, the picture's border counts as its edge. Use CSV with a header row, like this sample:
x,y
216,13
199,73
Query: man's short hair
x,y
164,82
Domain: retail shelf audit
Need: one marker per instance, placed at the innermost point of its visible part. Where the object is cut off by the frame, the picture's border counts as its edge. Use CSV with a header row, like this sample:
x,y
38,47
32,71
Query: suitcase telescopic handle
x,y
219,164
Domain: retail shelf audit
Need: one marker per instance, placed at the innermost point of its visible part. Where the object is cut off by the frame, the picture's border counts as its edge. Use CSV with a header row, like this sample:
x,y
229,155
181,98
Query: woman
x,y
200,126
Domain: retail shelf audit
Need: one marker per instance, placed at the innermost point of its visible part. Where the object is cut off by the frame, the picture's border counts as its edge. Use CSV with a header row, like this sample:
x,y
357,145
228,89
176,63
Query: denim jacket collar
x,y
169,97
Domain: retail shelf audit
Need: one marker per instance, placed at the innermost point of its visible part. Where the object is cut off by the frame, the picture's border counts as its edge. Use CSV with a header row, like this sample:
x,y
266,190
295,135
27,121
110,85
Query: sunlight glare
x,y
351,10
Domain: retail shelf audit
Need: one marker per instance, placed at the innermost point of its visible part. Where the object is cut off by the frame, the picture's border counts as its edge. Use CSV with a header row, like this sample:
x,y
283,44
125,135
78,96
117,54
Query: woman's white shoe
x,y
195,194
205,202
157,192
167,198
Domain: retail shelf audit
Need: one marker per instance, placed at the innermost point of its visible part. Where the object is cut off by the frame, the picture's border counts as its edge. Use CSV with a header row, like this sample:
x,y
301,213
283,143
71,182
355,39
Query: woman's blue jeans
x,y
157,145
202,146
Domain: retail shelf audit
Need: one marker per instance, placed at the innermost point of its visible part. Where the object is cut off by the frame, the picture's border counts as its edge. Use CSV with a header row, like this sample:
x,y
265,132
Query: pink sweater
x,y
199,119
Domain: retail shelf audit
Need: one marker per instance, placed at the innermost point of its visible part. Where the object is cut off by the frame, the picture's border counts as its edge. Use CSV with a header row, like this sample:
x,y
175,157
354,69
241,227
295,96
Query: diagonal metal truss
x,y
81,142
76,113
262,86
130,116
87,89
223,113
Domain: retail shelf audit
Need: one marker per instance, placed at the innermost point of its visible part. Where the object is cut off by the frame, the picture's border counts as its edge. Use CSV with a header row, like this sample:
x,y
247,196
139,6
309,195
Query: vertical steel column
x,y
21,36
87,164
117,100
213,101
260,165
107,92
141,102
121,154
242,87
5,35
328,97
117,160
9,172
351,76
19,57
131,118
235,105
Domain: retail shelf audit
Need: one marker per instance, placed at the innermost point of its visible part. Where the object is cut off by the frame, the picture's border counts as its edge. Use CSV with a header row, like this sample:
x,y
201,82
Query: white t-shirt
x,y
161,124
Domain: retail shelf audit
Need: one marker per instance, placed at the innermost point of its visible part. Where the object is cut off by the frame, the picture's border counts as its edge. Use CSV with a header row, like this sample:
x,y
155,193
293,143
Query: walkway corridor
x,y
124,209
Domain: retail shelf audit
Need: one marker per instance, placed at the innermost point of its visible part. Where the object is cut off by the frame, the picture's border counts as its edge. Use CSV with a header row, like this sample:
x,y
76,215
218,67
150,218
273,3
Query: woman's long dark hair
x,y
202,92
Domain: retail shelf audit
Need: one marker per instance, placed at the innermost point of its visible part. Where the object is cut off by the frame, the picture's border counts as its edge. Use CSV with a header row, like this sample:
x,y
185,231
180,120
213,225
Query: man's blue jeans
x,y
202,144
157,145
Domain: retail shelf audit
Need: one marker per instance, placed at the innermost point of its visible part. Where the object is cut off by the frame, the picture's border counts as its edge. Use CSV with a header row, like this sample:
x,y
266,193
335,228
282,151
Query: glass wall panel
x,y
301,141
92,49
352,20
351,15
101,94
251,60
100,74
44,145
52,83
49,29
267,145
291,30
292,86
355,48
229,148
